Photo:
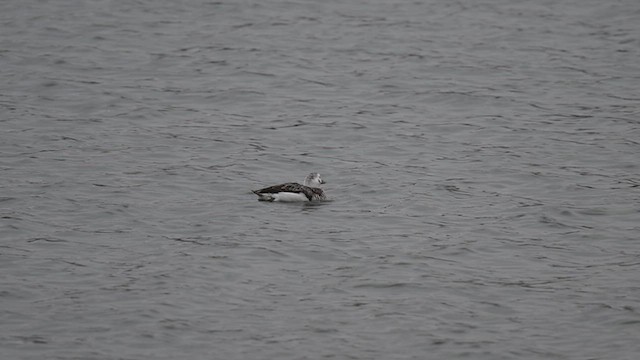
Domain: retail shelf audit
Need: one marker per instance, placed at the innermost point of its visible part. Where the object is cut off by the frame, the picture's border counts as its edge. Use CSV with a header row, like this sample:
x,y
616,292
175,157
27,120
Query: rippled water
x,y
481,157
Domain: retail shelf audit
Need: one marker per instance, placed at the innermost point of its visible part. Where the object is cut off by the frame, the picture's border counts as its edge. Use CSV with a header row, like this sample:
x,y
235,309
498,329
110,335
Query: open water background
x,y
482,158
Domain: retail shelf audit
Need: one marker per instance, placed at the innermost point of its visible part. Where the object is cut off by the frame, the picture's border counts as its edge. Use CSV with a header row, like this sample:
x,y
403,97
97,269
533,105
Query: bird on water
x,y
289,192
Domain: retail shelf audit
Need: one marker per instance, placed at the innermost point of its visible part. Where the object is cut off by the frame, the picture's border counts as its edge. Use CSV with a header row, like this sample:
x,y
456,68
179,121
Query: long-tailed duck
x,y
310,191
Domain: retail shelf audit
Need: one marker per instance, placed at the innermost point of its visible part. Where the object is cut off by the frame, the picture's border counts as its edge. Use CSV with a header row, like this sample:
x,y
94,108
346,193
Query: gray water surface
x,y
482,160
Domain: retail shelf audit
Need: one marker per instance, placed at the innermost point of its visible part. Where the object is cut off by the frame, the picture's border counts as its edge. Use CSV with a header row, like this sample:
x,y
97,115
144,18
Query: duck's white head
x,y
313,180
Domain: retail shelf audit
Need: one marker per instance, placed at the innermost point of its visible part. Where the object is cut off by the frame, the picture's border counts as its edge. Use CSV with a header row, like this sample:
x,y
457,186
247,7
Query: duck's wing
x,y
288,187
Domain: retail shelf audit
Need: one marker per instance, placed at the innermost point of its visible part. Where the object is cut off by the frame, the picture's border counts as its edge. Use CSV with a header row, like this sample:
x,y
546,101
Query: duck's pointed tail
x,y
263,196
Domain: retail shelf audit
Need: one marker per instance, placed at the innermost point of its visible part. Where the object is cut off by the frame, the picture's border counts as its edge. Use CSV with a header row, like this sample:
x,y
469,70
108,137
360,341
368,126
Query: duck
x,y
292,192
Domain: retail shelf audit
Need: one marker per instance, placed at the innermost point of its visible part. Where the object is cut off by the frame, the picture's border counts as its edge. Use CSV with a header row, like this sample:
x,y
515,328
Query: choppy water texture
x,y
482,158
